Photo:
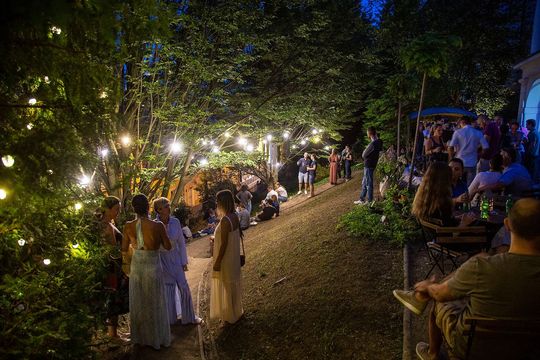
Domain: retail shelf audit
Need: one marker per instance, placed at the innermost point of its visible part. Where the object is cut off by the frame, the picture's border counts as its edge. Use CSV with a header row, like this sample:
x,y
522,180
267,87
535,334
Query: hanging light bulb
x,y
56,30
269,137
75,246
78,206
294,146
29,126
278,164
46,79
286,135
205,142
3,194
314,131
85,180
249,148
32,101
264,141
47,261
8,160
215,149
125,140
327,148
242,141
211,142
21,242
227,134
204,162
104,152
176,147
303,142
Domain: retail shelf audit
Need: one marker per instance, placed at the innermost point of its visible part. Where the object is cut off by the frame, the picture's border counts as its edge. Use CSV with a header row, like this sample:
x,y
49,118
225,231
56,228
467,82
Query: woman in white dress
x,y
147,303
226,290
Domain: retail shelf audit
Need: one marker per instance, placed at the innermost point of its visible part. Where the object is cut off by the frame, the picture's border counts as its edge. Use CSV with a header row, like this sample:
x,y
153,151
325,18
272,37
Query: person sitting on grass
x,y
243,215
500,286
275,203
282,192
271,192
267,212
211,226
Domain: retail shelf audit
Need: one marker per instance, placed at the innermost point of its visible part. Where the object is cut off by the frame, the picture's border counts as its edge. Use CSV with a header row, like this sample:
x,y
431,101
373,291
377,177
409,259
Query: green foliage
x,y
388,220
182,213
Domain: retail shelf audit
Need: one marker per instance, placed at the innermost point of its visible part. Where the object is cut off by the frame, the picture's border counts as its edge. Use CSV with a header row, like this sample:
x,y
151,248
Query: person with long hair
x,y
334,160
148,306
116,282
174,263
433,199
226,289
435,147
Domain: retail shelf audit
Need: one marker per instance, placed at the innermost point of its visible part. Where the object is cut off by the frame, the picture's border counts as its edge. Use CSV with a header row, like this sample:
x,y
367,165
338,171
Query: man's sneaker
x,y
422,350
408,299
299,192
305,192
359,202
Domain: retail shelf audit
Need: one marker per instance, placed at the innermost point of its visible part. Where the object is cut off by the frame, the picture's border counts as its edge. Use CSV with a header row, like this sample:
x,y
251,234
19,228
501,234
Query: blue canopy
x,y
443,111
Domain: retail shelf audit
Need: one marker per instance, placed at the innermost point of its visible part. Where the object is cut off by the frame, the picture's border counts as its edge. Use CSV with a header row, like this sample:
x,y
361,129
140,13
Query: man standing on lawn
x,y
501,286
370,157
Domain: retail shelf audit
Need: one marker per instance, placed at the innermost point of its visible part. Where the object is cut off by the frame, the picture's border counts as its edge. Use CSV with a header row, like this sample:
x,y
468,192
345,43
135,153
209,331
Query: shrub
x,y
388,220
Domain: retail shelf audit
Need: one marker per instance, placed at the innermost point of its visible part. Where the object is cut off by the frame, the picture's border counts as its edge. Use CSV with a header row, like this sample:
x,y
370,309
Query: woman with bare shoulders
x,y
147,308
226,291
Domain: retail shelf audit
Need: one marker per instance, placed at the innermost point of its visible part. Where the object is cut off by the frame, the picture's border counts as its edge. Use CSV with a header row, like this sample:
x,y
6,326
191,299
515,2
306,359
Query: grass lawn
x,y
313,293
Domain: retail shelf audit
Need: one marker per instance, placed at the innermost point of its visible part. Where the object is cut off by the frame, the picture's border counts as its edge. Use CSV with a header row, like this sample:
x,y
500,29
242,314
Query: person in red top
x,y
334,160
492,133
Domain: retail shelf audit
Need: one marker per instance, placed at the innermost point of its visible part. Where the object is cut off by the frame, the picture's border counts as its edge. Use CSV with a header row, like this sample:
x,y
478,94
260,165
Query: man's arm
x,y
451,146
368,151
438,292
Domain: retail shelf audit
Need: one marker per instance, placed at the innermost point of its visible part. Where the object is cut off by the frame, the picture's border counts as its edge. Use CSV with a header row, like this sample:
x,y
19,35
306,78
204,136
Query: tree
x,y
427,55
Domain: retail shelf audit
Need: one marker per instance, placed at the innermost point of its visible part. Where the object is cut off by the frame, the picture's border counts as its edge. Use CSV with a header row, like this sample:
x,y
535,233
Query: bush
x,y
182,213
388,220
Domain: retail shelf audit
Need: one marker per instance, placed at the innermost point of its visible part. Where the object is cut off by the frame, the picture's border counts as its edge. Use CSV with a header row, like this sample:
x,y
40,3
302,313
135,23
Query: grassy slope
x,y
336,300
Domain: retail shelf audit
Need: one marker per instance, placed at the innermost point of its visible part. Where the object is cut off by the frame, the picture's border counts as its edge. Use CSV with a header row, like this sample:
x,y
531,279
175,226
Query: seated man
x,y
501,286
282,193
243,216
268,211
271,192
515,178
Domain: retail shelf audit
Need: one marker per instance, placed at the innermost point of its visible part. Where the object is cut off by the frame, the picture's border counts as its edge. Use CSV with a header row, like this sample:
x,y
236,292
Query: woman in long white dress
x,y
147,302
226,290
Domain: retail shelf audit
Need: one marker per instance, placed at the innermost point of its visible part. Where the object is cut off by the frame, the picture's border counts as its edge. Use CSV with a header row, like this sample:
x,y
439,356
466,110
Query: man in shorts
x,y
500,286
303,164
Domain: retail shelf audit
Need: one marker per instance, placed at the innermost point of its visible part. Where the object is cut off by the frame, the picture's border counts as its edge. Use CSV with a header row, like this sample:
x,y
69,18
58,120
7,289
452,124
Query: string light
x,y
215,149
286,135
75,246
314,131
242,141
85,180
327,147
211,142
125,140
278,164
204,162
56,30
46,79
249,148
3,194
104,152
205,142
320,130
303,142
176,147
29,126
78,206
32,101
264,141
47,261
8,160
227,134
21,242
269,137
103,95
294,146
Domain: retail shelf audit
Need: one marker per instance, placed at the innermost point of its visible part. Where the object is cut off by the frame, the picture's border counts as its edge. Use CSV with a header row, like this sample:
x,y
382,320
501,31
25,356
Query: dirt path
x,y
311,292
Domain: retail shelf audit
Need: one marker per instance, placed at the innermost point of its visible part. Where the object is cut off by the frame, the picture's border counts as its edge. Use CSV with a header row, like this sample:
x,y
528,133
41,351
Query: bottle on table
x,y
484,208
466,204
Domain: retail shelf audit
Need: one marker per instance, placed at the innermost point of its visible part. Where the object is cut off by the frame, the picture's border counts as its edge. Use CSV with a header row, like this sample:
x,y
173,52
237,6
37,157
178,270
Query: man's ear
x,y
507,224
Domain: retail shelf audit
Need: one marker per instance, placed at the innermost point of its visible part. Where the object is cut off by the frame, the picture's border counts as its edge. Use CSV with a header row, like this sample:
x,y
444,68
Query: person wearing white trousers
x,y
174,263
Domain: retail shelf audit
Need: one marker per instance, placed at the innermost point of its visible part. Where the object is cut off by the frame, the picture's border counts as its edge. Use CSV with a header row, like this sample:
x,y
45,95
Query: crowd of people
x,y
477,161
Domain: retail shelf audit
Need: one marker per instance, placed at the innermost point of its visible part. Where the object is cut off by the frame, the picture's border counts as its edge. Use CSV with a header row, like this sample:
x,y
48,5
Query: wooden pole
x,y
416,129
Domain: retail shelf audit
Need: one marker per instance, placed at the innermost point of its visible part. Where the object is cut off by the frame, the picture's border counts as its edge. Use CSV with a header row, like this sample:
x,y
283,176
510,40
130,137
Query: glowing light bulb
x,y
176,147
204,162
3,194
46,79
85,180
227,134
104,152
205,142
78,206
56,30
29,126
212,142
125,140
327,147
103,95
242,141
21,242
269,137
320,130
264,141
278,164
314,131
47,261
303,142
32,101
249,148
294,146
286,135
75,246
8,160
215,149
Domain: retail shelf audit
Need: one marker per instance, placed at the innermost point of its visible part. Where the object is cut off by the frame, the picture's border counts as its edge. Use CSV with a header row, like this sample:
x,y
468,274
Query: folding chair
x,y
502,338
445,244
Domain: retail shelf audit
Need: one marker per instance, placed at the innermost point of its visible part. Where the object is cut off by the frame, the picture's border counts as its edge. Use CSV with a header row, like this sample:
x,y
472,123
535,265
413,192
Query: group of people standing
x,y
148,279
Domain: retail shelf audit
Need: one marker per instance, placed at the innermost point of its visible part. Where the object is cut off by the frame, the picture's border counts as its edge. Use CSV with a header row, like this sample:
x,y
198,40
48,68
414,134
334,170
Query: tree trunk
x,y
398,129
182,179
416,130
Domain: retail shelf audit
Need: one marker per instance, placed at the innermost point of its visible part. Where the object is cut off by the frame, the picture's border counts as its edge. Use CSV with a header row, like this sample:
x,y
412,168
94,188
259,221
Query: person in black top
x,y
267,213
303,164
371,157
